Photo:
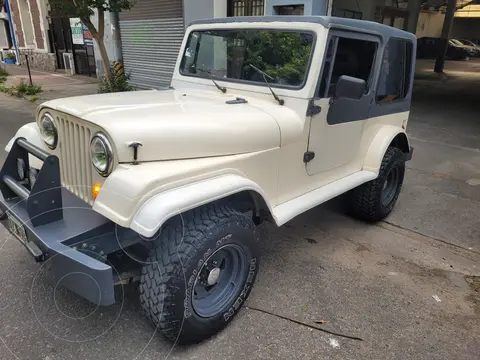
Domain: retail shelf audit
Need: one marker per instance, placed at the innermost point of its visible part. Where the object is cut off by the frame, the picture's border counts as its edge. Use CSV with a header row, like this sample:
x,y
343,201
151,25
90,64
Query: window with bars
x,y
246,7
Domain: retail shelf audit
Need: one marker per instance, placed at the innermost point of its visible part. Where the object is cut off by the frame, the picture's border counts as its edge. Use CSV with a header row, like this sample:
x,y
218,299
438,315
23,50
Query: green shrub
x,y
3,73
118,82
21,89
10,55
27,89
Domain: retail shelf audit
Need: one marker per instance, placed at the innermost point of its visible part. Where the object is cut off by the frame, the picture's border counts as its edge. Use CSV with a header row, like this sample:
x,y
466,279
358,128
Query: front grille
x,y
75,166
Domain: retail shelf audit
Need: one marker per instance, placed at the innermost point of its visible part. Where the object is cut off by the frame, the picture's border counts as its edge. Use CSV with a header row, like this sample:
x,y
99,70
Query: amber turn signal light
x,y
95,190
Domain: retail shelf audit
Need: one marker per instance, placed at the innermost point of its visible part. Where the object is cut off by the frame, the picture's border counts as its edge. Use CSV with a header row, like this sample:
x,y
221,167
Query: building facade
x,y
466,24
152,33
5,33
30,29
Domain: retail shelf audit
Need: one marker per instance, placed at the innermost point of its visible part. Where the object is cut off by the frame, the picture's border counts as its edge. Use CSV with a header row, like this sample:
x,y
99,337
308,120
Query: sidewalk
x,y
54,85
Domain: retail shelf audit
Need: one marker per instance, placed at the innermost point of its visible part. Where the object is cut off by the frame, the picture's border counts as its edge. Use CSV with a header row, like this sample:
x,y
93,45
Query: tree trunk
x,y
98,36
105,60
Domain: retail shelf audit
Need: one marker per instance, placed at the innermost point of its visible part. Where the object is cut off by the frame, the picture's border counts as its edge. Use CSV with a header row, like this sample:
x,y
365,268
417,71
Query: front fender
x,y
31,133
379,145
161,207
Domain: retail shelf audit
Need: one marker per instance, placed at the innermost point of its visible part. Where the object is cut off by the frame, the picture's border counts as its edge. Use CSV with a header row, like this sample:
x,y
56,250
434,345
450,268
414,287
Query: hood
x,y
173,124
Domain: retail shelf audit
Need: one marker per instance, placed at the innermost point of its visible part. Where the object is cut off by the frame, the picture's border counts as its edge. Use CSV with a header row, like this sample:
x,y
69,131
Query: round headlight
x,y
101,154
48,131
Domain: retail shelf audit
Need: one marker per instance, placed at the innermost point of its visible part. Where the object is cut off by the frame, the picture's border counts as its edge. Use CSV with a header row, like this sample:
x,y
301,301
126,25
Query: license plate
x,y
17,229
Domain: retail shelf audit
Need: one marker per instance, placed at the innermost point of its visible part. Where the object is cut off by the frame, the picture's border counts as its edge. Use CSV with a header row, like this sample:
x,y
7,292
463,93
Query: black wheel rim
x,y
390,186
219,281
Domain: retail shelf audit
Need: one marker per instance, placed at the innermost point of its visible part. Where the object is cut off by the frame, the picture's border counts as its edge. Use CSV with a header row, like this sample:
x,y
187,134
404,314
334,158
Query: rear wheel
x,y
200,272
374,200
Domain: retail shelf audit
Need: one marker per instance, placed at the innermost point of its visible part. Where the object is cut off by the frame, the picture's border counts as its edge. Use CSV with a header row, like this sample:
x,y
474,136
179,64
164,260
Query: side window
x,y
394,80
346,56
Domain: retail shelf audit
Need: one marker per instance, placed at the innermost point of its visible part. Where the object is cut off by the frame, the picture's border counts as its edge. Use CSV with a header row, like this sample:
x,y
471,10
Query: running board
x,y
288,210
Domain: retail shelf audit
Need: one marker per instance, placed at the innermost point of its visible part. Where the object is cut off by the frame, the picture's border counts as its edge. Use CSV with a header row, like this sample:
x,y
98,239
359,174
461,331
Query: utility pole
x,y
12,30
443,43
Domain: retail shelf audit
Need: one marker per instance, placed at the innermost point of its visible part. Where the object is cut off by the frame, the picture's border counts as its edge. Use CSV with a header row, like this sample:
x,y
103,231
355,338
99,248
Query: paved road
x,y
373,282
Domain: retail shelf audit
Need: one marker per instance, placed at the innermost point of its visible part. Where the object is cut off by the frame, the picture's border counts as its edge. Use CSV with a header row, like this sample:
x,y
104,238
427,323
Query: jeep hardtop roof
x,y
381,30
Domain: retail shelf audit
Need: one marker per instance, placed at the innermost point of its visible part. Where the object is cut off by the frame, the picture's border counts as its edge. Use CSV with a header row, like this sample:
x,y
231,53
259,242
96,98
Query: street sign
x,y
87,36
77,31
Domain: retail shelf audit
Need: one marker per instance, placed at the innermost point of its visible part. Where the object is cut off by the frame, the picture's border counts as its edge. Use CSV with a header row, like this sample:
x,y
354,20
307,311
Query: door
x,y
336,131
61,37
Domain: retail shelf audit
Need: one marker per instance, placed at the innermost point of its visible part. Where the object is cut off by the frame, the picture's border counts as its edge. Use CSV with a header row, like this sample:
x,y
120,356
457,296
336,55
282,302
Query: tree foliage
x,y
85,8
282,55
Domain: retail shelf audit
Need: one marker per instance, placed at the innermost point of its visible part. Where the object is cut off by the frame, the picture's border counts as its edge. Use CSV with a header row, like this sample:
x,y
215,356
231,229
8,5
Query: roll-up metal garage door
x,y
151,35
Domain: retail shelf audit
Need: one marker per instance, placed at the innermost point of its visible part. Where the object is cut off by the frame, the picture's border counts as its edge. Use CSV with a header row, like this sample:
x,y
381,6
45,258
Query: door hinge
x,y
313,109
308,156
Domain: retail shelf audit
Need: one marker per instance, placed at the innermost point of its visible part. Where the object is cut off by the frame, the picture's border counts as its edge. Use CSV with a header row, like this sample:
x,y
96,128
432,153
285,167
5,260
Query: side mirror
x,y
350,88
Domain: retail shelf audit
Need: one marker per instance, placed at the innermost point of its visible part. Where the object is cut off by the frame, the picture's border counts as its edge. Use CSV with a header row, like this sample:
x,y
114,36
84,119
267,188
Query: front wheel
x,y
374,200
200,272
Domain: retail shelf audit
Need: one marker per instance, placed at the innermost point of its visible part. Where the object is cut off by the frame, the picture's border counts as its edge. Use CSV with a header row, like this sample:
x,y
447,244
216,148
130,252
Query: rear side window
x,y
346,56
394,79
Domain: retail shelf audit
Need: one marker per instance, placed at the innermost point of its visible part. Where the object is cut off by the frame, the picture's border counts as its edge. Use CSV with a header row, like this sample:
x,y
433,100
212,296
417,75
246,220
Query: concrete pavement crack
x,y
444,144
304,324
427,236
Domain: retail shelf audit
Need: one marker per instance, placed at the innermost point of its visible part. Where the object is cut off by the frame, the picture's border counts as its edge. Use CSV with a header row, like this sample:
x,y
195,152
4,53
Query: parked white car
x,y
266,117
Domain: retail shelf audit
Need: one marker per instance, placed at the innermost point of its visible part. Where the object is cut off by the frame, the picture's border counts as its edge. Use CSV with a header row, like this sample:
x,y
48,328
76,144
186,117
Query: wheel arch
x,y
231,188
387,136
401,141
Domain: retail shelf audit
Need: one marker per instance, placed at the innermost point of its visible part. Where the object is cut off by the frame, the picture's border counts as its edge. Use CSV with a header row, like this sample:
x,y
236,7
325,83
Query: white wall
x,y
42,8
27,23
219,8
429,24
3,35
111,40
311,7
197,9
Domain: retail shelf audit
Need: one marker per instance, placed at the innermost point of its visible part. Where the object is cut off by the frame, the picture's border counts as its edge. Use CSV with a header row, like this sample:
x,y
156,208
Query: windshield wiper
x,y
209,72
265,75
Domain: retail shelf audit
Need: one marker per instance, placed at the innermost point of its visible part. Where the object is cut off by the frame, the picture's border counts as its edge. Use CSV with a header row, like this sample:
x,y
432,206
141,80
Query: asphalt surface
x,y
401,289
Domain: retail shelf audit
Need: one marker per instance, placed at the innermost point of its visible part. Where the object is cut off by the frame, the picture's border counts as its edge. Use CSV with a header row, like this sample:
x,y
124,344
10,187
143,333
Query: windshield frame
x,y
250,82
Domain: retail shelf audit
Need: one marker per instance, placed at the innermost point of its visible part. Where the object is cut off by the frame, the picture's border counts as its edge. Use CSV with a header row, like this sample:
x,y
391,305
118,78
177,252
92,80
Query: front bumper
x,y
60,228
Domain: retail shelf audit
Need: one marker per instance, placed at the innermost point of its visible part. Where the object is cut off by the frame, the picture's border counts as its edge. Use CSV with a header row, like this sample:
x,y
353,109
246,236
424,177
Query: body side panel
x,y
130,186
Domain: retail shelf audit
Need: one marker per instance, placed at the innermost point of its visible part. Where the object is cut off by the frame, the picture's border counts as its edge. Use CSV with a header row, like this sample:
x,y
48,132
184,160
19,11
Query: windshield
x,y
229,54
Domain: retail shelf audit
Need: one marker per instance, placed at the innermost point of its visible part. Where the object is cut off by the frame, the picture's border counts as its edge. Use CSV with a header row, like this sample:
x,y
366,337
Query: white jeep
x,y
265,117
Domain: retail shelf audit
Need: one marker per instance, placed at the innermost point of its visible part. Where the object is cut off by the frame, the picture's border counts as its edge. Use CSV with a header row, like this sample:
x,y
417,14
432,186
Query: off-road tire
x,y
168,277
366,200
